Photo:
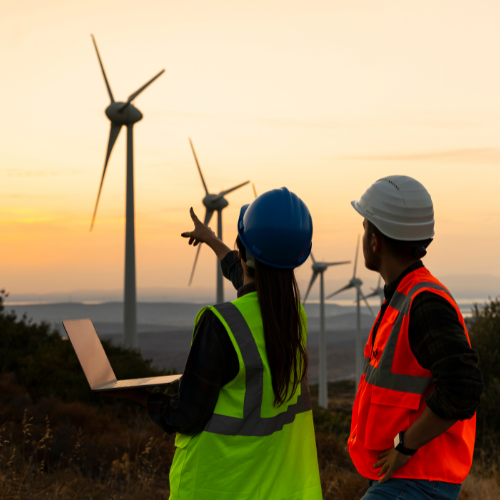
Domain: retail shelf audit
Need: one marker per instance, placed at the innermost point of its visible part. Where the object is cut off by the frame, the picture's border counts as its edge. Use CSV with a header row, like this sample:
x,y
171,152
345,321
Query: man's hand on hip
x,y
390,461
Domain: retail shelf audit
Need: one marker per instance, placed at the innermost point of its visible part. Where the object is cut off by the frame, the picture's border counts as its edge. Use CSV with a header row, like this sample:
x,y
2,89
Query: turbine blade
x,y
356,260
131,97
208,216
378,282
341,290
198,165
373,294
113,135
366,302
312,257
227,191
311,283
102,69
338,263
254,190
194,265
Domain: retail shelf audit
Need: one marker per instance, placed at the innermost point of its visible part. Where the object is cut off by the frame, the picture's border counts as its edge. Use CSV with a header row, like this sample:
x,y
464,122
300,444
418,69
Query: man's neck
x,y
391,269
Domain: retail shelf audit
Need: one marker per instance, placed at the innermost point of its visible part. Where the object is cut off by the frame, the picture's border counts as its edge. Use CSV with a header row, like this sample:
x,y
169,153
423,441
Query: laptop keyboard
x,y
128,383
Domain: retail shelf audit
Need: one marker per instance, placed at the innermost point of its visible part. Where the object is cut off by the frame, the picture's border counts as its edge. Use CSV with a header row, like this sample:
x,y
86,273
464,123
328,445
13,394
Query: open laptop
x,y
95,363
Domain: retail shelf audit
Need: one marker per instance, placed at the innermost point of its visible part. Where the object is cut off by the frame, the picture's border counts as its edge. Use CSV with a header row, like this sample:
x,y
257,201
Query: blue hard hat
x,y
276,229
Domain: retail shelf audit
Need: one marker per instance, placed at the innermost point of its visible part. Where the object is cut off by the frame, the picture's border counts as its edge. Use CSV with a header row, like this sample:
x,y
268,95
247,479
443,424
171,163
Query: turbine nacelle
x,y
356,282
215,202
121,113
319,267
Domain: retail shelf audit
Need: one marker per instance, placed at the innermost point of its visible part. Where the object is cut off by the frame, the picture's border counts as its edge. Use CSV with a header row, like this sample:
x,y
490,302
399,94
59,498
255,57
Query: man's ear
x,y
375,243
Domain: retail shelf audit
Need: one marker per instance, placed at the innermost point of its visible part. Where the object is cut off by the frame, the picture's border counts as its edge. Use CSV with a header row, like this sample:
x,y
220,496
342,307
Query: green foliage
x,y
485,336
47,365
484,330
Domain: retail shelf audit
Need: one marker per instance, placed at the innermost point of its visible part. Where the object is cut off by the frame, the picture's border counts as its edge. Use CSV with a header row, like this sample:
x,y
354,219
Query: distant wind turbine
x,y
254,190
213,202
378,292
319,268
120,114
356,284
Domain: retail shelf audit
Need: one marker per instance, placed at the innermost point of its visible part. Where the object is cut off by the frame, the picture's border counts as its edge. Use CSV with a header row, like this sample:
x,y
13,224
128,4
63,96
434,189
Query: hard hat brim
x,y
380,224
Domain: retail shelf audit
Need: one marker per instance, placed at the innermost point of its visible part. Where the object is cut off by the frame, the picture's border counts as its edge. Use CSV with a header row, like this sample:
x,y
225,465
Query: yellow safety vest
x,y
250,448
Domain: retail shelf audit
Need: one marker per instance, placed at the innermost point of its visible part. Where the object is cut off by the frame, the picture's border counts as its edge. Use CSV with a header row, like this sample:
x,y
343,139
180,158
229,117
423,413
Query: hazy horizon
x,y
471,287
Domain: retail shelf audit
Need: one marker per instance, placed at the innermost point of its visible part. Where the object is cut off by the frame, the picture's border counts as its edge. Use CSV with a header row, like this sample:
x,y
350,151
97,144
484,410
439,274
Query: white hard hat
x,y
399,207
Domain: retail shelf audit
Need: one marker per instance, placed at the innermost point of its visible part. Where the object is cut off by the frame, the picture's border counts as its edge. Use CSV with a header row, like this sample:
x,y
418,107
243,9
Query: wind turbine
x,y
378,292
356,284
213,202
124,114
319,268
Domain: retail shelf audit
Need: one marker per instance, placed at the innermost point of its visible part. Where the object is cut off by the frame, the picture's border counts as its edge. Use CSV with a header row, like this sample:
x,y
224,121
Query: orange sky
x,y
323,97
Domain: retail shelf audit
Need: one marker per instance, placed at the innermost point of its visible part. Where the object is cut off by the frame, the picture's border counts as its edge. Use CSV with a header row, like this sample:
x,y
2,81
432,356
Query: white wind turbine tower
x,y
378,292
319,268
356,284
125,114
213,202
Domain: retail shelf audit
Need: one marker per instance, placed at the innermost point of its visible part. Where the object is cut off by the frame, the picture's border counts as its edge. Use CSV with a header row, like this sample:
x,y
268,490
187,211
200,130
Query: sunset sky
x,y
323,97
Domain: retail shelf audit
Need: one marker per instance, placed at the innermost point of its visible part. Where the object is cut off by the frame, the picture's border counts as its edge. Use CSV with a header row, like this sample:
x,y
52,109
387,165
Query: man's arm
x,y
426,428
438,341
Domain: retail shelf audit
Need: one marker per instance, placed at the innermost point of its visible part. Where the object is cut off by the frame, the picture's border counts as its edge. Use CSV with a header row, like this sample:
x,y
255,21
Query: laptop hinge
x,y
102,386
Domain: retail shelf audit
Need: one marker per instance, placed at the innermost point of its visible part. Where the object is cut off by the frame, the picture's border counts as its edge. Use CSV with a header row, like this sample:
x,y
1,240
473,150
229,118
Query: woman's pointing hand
x,y
201,232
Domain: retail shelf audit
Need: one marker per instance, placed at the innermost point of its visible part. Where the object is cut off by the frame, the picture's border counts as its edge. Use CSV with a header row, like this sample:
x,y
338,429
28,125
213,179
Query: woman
x,y
243,414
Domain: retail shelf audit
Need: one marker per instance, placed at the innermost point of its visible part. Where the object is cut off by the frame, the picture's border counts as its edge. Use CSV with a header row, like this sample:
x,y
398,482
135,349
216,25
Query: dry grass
x,y
55,450
483,482
62,450
339,479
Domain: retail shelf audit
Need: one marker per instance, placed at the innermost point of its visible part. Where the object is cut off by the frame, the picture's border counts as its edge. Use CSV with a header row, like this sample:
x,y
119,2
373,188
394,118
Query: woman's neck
x,y
247,279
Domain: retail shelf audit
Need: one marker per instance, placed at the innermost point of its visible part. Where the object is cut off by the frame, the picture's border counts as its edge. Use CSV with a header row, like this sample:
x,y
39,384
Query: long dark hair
x,y
284,330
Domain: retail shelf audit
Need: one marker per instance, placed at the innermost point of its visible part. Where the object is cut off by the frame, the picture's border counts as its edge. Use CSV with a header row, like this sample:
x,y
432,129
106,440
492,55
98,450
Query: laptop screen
x,y
89,350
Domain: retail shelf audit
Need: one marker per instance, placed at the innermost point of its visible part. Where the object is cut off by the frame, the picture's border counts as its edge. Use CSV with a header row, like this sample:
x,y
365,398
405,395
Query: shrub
x,y
46,364
484,329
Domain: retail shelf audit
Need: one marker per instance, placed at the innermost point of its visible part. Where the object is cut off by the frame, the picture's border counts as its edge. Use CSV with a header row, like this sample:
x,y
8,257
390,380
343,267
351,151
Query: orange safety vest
x,y
392,391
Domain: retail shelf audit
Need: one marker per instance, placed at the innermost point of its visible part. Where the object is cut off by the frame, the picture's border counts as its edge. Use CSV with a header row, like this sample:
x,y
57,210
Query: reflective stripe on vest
x,y
252,424
382,376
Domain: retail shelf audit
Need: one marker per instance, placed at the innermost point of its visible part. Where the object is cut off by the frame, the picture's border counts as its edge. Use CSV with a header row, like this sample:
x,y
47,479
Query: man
x,y
413,424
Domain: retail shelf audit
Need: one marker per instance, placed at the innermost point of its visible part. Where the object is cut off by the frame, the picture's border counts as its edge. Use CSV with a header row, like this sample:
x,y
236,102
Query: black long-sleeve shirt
x,y
436,338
